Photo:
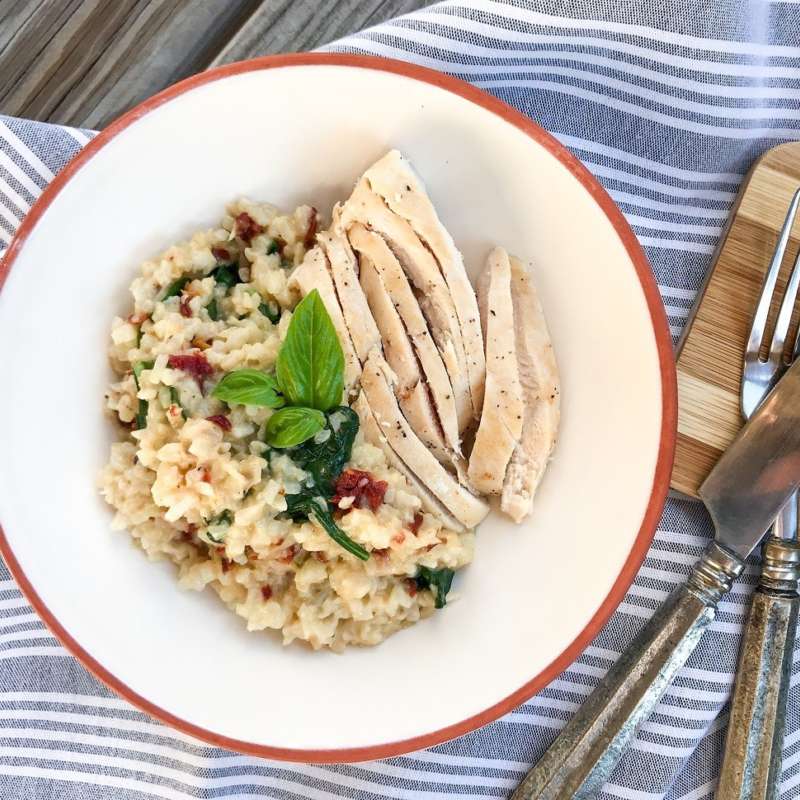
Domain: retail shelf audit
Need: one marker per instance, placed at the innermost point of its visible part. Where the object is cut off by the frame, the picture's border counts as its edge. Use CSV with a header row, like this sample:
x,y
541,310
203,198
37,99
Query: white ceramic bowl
x,y
295,129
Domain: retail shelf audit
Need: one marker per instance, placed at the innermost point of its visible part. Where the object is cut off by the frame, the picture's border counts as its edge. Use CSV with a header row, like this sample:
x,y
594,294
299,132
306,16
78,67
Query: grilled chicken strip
x,y
412,392
396,182
500,428
344,270
372,249
313,273
538,374
434,297
377,384
373,434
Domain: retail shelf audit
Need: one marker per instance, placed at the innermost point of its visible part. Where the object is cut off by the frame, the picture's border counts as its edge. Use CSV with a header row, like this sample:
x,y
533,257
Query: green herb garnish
x,y
293,426
141,414
324,461
176,287
226,275
175,397
310,365
218,527
249,387
438,581
213,309
272,247
271,311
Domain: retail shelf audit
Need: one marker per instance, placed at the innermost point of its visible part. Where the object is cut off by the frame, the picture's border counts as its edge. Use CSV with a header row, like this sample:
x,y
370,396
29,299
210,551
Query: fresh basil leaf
x,y
325,460
213,309
438,581
226,275
292,426
271,311
310,365
176,287
272,247
218,527
250,387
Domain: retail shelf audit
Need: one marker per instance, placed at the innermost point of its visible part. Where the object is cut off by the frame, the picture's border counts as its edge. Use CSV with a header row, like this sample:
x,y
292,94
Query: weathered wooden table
x,y
84,62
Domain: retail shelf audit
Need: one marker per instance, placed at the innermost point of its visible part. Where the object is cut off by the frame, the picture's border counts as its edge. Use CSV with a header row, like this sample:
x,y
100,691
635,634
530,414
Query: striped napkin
x,y
667,104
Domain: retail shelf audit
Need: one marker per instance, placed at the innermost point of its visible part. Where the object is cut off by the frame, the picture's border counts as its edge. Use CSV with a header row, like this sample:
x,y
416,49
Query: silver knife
x,y
743,493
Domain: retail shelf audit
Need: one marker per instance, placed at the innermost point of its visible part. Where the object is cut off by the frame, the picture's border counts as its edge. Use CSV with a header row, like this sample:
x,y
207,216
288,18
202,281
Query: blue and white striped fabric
x,y
667,103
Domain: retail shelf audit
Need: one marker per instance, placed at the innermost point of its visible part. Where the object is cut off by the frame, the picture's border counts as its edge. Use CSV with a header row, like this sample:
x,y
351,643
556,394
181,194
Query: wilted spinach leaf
x,y
271,311
176,287
324,462
226,275
438,581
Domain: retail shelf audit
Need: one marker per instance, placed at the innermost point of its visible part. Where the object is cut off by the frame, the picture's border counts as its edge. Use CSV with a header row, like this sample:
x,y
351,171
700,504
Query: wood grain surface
x,y
711,353
85,62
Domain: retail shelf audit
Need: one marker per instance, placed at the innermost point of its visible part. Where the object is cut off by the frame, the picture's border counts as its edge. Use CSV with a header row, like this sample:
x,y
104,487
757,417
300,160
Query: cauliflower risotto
x,y
194,480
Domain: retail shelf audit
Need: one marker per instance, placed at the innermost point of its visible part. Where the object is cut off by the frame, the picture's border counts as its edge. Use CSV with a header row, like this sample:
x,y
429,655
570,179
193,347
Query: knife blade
x,y
743,493
755,476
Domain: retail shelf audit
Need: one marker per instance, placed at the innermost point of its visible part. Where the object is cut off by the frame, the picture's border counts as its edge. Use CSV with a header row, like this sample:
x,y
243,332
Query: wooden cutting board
x,y
711,350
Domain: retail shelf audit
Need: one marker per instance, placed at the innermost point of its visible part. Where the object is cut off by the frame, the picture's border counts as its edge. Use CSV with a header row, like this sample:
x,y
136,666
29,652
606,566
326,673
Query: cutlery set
x,y
749,490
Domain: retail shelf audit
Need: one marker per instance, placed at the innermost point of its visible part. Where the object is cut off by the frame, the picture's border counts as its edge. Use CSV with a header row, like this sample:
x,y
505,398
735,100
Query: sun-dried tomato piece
x,y
311,231
220,253
195,364
221,420
360,485
411,587
186,310
247,228
416,524
266,592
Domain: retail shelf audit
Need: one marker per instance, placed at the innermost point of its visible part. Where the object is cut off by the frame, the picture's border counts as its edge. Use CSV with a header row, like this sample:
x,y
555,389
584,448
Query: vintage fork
x,y
751,765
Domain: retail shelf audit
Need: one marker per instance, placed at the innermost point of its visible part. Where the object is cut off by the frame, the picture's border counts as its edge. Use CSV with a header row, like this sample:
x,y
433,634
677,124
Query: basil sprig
x,y
250,387
310,365
294,425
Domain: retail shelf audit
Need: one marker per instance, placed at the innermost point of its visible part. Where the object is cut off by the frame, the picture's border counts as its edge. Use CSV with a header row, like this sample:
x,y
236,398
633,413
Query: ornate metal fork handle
x,y
584,754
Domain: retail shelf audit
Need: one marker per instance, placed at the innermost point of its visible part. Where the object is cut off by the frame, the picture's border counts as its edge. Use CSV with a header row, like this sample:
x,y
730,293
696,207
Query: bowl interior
x,y
303,134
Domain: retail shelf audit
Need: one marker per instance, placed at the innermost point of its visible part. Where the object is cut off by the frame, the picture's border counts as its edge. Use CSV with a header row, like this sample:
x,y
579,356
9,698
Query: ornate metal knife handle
x,y
751,766
584,754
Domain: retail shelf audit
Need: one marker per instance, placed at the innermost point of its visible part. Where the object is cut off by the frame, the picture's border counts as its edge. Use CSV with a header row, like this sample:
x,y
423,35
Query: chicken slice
x,y
539,378
374,435
398,300
311,274
500,428
343,267
377,383
434,298
412,392
394,179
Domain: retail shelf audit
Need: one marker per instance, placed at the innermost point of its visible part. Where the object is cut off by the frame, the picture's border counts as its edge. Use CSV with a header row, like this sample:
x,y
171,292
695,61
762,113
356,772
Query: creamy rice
x,y
212,499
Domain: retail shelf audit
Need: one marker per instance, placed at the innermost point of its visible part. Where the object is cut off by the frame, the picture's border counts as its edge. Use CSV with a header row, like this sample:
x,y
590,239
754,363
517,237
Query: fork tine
x,y
776,351
762,309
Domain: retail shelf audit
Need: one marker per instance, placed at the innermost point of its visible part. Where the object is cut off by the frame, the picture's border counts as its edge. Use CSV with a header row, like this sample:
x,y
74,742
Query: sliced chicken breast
x,y
397,298
313,273
538,373
363,330
395,181
374,435
412,392
377,383
500,428
434,297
